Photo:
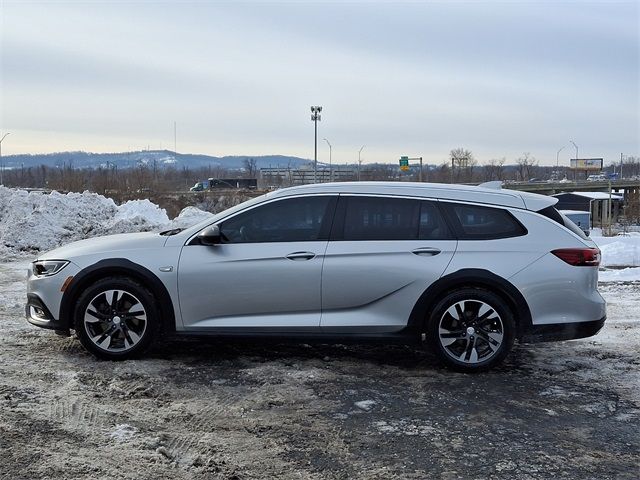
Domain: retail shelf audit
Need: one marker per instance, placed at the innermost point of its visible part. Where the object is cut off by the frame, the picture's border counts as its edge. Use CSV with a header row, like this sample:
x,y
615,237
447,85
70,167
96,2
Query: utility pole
x,y
621,165
315,118
1,164
359,161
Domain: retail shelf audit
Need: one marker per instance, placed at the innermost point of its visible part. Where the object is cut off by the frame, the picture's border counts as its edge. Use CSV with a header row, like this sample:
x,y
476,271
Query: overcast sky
x,y
411,78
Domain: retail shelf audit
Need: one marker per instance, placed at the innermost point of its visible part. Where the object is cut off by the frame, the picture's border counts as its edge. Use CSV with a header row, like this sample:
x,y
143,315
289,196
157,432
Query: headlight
x,y
46,268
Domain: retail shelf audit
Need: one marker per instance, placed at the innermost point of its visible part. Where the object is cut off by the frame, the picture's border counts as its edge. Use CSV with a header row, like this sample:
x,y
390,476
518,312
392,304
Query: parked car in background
x,y
200,186
465,270
600,177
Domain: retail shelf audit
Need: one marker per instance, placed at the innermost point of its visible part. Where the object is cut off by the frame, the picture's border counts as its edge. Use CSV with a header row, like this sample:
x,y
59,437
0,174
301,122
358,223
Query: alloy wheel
x,y
115,320
471,331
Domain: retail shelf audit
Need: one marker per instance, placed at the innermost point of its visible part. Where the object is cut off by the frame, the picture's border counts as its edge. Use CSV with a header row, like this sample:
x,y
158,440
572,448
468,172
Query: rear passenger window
x,y
484,223
380,218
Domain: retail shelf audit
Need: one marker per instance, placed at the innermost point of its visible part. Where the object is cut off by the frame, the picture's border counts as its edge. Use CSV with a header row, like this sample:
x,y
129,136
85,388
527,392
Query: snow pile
x,y
138,216
190,216
40,222
36,222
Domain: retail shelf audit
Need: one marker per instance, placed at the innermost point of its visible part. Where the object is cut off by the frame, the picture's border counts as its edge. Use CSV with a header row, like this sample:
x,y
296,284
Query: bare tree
x,y
463,163
494,169
251,167
526,166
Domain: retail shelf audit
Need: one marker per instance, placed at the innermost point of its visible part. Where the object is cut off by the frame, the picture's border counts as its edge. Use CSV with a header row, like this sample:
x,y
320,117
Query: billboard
x,y
586,164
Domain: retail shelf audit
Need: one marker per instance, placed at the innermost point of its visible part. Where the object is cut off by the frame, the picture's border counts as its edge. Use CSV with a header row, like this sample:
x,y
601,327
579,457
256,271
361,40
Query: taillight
x,y
579,257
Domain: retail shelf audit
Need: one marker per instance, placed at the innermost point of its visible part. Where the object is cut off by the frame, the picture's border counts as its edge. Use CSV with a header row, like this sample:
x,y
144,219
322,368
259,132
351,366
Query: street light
x,y
575,174
359,161
1,164
315,118
330,175
558,160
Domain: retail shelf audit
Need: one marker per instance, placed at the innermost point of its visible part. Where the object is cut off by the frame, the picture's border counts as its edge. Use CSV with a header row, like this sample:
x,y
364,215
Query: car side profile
x,y
465,270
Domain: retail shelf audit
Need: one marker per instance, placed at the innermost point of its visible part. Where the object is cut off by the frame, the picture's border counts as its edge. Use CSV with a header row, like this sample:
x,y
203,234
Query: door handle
x,y
301,256
426,251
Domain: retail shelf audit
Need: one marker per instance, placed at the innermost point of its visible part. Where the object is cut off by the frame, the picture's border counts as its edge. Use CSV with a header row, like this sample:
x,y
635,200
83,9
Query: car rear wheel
x,y
471,330
116,318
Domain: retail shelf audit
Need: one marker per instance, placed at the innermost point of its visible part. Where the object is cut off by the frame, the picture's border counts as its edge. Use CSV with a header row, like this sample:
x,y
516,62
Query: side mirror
x,y
210,236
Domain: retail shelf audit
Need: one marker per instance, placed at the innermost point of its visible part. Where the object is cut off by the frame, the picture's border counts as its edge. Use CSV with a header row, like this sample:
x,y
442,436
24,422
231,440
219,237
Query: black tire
x,y
113,332
465,334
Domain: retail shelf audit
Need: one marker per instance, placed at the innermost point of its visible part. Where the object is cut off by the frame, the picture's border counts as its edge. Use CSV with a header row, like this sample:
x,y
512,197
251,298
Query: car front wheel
x,y
471,329
116,318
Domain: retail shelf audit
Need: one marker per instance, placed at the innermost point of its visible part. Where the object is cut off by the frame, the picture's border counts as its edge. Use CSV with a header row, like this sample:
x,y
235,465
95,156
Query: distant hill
x,y
162,158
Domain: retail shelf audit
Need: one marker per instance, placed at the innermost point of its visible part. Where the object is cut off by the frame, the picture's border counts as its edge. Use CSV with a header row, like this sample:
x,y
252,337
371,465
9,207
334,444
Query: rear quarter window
x,y
558,217
475,222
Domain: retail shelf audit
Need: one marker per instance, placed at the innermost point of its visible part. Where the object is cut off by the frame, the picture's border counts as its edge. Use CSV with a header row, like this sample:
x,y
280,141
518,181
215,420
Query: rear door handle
x,y
426,251
301,256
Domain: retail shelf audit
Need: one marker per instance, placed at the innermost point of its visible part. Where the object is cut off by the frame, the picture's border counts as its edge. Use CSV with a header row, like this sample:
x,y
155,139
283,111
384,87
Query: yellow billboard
x,y
586,164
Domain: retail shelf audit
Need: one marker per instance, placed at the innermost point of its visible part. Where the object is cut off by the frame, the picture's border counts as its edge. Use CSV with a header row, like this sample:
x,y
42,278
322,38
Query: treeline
x,y
138,181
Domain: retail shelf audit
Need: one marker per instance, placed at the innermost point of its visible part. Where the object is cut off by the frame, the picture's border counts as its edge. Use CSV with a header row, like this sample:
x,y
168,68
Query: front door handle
x,y
426,251
301,256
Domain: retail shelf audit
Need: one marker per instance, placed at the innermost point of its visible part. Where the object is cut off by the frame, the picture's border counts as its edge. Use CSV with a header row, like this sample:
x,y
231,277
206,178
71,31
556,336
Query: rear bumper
x,y
561,331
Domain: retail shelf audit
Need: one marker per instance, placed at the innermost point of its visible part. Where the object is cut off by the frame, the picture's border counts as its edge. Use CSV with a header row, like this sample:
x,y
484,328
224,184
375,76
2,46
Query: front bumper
x,y
38,314
44,297
561,331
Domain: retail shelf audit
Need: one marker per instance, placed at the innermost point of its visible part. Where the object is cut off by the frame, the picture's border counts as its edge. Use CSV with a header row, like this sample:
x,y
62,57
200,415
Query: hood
x,y
110,243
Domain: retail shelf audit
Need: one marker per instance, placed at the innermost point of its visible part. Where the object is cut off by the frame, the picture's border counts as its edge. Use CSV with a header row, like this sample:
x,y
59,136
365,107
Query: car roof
x,y
445,191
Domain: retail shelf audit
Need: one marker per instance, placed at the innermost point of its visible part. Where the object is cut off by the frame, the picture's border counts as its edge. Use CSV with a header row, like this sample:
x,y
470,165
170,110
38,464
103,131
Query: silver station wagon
x,y
465,270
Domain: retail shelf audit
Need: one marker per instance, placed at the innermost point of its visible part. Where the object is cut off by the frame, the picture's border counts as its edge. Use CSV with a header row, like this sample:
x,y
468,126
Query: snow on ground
x,y
620,256
32,222
621,250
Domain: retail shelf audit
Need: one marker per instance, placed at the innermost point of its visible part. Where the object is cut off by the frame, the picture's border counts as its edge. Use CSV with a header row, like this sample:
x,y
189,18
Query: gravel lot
x,y
194,410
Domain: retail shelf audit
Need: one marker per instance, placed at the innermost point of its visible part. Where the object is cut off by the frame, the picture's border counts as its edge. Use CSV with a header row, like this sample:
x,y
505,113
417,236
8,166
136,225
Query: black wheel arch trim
x,y
124,267
471,277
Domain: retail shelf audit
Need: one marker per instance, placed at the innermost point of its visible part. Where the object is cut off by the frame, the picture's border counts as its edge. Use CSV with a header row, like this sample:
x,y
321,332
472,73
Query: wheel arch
x,y
121,267
474,278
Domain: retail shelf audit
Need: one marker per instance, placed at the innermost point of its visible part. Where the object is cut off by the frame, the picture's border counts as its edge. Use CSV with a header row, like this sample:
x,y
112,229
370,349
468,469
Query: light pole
x,y
558,158
575,172
330,174
1,164
315,118
359,161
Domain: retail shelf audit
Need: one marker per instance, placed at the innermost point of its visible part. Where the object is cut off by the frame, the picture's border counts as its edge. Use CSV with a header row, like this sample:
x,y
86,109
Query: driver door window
x,y
302,219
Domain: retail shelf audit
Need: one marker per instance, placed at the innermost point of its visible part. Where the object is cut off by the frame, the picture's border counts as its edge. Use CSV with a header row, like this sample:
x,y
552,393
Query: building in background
x,y
596,203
